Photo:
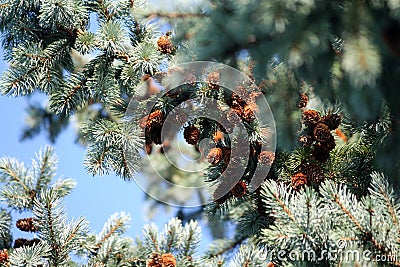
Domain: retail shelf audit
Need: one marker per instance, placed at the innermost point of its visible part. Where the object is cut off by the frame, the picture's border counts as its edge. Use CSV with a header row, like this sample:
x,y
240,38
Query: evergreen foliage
x,y
330,72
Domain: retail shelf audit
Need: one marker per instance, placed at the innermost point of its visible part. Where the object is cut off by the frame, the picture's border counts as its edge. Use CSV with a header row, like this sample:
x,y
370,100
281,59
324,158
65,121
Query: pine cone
x,y
213,80
190,79
235,101
149,148
156,118
20,242
320,153
311,118
180,117
313,172
226,154
332,121
233,116
215,156
242,91
155,260
143,122
191,134
299,180
329,144
26,225
266,158
240,189
165,45
303,101
306,140
153,134
3,256
248,113
321,132
218,136
168,260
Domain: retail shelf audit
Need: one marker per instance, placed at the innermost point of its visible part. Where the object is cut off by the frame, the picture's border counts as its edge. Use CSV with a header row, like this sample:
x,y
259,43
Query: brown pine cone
x,y
248,113
306,140
329,144
313,172
226,154
242,91
180,117
155,260
143,122
332,120
213,80
236,101
303,101
310,118
149,148
3,256
156,118
233,116
26,225
266,158
191,134
218,136
240,189
165,45
215,156
20,242
153,134
321,132
153,127
320,153
168,260
299,180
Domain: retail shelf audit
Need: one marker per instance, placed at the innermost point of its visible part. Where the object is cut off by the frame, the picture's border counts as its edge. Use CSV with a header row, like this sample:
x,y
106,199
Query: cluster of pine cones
x,y
317,135
164,260
318,130
240,110
26,225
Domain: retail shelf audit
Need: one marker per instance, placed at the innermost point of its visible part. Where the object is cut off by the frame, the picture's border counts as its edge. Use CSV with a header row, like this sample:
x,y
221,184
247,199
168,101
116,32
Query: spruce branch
x,y
31,256
5,229
248,256
53,228
381,191
173,231
365,228
44,168
18,191
191,238
280,195
116,225
151,238
20,80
